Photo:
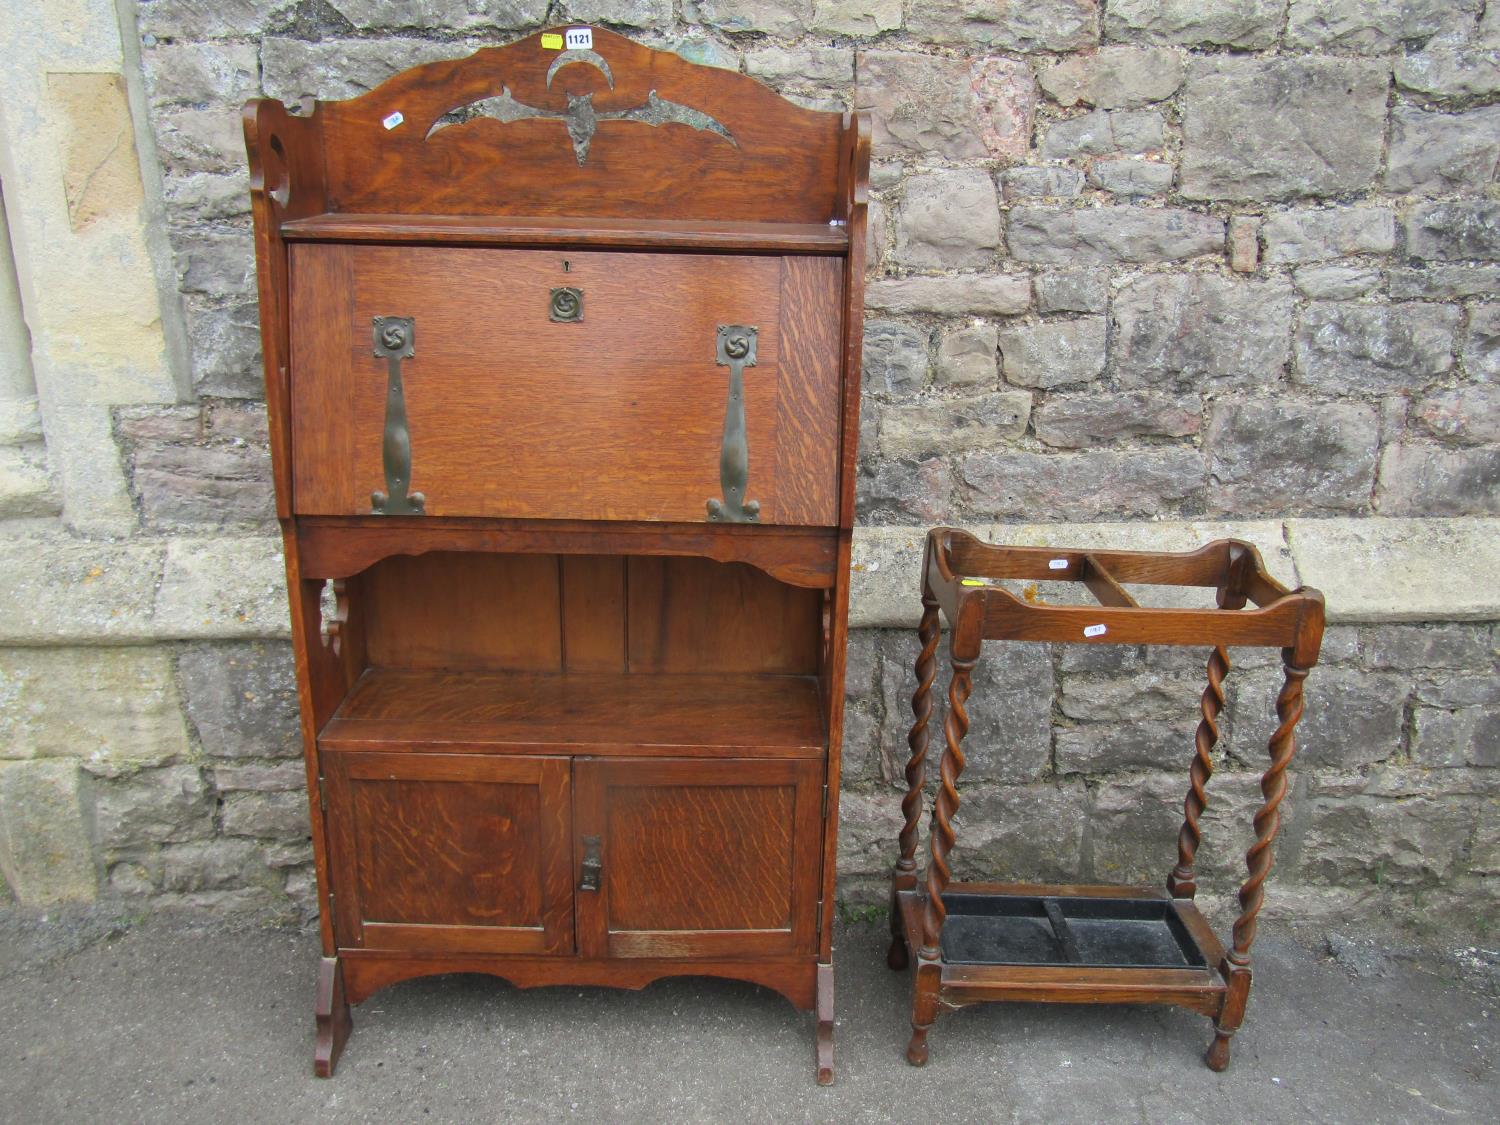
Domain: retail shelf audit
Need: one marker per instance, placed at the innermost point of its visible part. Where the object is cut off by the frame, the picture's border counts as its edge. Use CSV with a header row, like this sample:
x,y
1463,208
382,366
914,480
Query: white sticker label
x,y
580,38
393,120
1094,630
1057,564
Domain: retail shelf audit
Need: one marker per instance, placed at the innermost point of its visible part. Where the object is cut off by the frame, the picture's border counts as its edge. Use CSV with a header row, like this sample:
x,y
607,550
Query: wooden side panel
x,y
766,160
807,445
436,852
700,858
593,613
459,610
693,615
510,414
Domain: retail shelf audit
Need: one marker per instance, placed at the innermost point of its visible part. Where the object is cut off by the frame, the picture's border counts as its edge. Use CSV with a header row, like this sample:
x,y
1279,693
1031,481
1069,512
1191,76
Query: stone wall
x,y
1141,272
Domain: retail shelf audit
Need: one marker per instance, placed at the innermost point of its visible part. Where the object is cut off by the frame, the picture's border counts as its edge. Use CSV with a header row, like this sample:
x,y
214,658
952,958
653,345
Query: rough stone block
x,y
944,426
170,805
212,865
966,357
1100,236
1031,833
788,18
221,589
1313,236
895,359
197,73
1010,713
261,777
192,140
905,492
1281,128
1418,479
1481,346
951,296
1081,291
1053,353
1182,328
186,473
1404,843
1087,420
950,220
1251,24
1244,243
218,265
45,851
1451,68
801,66
1275,455
1045,25
382,15
1104,134
1345,346
1352,717
868,827
110,705
1081,486
843,17
1444,281
1114,77
242,699
1098,748
1438,153
1469,414
1403,648
197,19
1371,27
1042,183
226,350
1335,283
271,816
1131,178
1150,695
335,69
952,108
1464,228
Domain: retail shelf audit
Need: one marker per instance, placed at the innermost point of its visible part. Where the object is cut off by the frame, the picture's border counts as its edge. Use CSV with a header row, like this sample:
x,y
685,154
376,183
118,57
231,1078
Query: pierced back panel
x,y
527,130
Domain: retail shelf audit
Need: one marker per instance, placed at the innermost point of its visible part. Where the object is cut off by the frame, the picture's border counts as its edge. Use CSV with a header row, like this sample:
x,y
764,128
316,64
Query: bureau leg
x,y
825,1025
334,1022
897,957
924,1008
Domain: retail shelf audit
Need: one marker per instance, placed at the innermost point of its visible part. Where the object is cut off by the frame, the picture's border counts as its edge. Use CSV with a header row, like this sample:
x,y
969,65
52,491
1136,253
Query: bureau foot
x,y
334,1022
824,1042
1217,1055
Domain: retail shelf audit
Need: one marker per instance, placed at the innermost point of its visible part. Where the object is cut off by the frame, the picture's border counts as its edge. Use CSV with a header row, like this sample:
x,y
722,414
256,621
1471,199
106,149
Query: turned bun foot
x,y
1217,1055
916,1050
897,957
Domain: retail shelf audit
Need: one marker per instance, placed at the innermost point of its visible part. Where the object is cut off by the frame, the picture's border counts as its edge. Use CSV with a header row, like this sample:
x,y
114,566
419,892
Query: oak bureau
x,y
561,347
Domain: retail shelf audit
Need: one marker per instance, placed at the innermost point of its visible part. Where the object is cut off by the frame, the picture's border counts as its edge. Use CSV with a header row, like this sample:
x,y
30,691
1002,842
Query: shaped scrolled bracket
x,y
736,351
395,340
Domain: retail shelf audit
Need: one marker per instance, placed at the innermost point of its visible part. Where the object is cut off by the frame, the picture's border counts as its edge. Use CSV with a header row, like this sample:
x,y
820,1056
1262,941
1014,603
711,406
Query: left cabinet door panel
x,y
455,853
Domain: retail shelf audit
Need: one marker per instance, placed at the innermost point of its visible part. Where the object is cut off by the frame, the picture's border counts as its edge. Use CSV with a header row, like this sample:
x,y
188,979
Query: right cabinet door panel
x,y
697,858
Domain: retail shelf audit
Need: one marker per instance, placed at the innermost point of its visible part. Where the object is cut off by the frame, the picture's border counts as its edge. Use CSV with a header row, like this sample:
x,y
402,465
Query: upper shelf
x,y
545,231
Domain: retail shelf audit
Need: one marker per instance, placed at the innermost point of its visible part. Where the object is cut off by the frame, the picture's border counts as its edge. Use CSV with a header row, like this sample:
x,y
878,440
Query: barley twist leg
x,y
926,984
916,775
1183,883
1273,787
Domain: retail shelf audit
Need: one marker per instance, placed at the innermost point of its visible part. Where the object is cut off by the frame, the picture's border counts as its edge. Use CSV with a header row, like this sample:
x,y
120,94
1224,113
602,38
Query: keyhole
x,y
567,266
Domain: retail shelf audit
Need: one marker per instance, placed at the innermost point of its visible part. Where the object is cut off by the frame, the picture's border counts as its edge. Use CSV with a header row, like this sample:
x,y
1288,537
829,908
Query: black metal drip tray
x,y
1138,933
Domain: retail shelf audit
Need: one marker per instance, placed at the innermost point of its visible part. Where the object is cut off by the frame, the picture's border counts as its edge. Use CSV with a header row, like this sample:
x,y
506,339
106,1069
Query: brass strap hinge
x,y
323,796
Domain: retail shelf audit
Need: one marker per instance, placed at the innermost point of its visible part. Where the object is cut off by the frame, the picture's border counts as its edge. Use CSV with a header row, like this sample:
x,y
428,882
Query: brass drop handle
x,y
591,867
395,340
736,351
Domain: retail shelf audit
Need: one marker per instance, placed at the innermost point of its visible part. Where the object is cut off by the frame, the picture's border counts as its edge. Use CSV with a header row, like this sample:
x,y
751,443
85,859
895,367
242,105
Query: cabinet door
x,y
509,411
698,858
456,853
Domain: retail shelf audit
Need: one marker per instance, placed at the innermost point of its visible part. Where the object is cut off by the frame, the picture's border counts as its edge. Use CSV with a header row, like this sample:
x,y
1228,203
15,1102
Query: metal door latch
x,y
591,867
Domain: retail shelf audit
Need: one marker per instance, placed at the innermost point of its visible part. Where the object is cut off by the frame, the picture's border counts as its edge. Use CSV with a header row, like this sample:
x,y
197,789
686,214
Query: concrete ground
x,y
171,1020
